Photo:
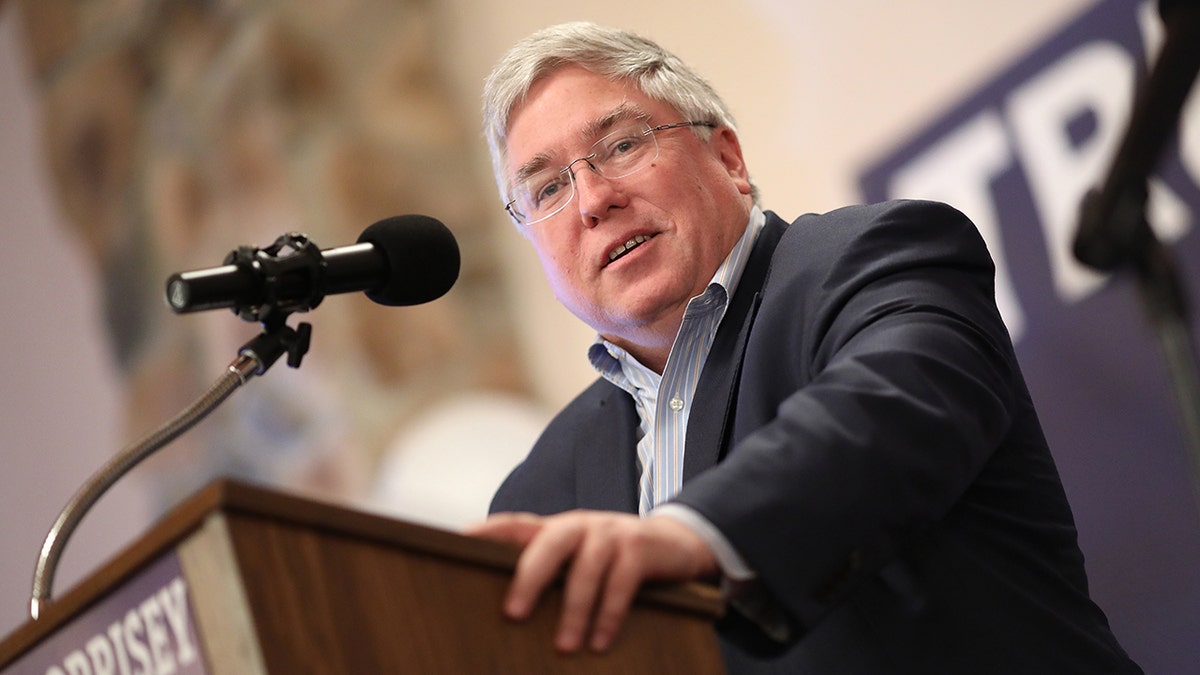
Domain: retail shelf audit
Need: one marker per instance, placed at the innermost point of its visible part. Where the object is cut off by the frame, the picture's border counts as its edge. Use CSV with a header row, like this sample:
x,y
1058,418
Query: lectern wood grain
x,y
329,603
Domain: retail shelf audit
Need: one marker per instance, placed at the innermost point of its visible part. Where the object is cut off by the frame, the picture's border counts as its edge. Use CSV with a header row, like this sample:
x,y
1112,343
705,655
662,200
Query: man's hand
x,y
609,555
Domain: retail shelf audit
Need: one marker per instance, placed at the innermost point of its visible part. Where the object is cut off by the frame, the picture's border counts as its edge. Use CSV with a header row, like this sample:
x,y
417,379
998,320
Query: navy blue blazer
x,y
863,436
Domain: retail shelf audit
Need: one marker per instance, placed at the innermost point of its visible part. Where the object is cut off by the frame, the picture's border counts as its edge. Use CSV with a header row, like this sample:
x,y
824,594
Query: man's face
x,y
692,203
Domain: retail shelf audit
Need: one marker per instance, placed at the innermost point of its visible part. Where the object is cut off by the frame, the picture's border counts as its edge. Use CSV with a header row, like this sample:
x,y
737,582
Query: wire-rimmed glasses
x,y
629,148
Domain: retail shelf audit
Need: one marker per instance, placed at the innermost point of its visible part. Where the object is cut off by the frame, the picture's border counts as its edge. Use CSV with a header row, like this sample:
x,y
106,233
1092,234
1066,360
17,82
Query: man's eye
x,y
622,146
548,191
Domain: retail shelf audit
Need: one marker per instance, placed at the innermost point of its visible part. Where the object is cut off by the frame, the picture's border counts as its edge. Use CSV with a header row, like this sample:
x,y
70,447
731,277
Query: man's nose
x,y
596,195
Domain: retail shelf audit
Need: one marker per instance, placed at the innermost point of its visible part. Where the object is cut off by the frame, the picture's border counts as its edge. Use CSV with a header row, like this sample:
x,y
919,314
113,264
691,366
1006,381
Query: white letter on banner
x,y
138,653
77,664
958,171
1098,78
101,654
117,637
174,602
157,636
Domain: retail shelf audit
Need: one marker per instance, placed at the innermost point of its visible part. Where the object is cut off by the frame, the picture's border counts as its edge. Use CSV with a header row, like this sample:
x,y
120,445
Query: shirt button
x,y
676,403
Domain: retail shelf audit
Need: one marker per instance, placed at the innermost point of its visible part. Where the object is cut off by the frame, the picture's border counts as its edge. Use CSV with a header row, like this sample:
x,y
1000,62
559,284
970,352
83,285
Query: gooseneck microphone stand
x,y
1114,233
254,358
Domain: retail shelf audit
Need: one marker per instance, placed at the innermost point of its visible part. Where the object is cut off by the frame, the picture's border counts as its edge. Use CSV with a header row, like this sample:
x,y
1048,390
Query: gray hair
x,y
612,53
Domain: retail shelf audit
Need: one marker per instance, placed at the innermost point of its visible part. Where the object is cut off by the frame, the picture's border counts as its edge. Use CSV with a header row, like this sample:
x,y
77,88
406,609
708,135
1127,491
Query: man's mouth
x,y
624,249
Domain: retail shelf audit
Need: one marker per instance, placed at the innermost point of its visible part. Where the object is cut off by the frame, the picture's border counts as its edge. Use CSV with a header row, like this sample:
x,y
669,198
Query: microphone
x,y
398,261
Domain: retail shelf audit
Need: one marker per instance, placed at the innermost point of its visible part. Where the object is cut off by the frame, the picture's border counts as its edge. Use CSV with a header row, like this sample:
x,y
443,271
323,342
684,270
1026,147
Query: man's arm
x,y
877,384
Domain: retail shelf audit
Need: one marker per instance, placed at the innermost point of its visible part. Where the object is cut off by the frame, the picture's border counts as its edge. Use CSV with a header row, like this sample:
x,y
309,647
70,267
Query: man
x,y
828,415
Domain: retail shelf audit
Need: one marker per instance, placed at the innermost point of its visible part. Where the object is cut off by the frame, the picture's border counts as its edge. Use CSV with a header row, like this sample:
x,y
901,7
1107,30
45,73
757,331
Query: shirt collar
x,y
729,274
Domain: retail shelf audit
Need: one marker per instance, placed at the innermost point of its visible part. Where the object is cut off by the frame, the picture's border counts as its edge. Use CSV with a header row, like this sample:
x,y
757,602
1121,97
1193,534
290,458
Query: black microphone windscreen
x,y
422,258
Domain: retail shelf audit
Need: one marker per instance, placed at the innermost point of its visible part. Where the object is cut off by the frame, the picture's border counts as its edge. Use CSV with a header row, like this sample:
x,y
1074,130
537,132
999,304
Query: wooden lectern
x,y
244,580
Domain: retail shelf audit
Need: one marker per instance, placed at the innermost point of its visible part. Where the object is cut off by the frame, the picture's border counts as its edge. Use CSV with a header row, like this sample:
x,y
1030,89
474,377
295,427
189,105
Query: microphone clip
x,y
277,339
292,262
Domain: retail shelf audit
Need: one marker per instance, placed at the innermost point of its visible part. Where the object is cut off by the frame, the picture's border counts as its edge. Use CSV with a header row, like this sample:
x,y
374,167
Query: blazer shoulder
x,y
854,219
864,235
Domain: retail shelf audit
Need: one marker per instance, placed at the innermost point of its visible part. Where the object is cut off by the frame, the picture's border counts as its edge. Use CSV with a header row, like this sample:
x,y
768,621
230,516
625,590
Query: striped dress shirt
x,y
664,402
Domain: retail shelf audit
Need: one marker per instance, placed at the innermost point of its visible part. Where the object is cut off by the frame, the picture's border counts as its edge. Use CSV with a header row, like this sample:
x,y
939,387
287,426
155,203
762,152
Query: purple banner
x,y
1017,155
144,627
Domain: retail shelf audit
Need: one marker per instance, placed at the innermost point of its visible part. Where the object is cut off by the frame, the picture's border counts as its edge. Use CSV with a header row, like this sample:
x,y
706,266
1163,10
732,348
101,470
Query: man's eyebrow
x,y
539,162
622,113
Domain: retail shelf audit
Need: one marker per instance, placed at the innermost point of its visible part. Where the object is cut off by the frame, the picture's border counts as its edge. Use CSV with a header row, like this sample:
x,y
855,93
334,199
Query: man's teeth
x,y
627,247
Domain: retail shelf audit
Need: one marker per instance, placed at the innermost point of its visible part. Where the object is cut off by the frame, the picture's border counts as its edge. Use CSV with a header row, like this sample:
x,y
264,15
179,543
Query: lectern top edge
x,y
236,498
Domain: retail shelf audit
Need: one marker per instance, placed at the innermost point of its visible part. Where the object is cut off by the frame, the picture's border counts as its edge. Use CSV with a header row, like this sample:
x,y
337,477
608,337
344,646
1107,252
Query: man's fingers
x,y
620,586
584,582
657,548
539,563
556,542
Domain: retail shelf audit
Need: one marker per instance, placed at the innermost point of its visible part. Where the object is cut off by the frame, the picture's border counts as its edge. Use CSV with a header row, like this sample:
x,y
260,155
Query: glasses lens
x,y
627,149
624,151
542,195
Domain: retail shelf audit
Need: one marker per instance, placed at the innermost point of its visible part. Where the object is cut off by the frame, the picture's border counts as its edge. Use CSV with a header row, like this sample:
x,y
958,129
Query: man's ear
x,y
728,148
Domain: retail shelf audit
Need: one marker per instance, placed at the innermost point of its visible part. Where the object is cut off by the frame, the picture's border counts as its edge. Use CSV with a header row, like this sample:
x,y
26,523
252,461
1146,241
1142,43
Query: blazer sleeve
x,y
878,382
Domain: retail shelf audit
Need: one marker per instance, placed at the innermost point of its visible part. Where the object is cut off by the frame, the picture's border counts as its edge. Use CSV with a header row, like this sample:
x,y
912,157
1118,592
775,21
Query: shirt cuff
x,y
732,565
739,583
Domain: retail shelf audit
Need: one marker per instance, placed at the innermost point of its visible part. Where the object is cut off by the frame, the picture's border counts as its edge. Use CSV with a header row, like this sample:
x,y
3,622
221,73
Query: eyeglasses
x,y
628,149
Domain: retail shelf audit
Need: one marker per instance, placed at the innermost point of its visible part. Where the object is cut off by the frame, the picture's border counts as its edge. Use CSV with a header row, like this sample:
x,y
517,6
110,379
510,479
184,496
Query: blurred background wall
x,y
141,137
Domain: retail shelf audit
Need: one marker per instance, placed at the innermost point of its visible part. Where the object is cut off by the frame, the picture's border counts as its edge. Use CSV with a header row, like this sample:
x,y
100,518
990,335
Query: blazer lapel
x,y
606,472
709,422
